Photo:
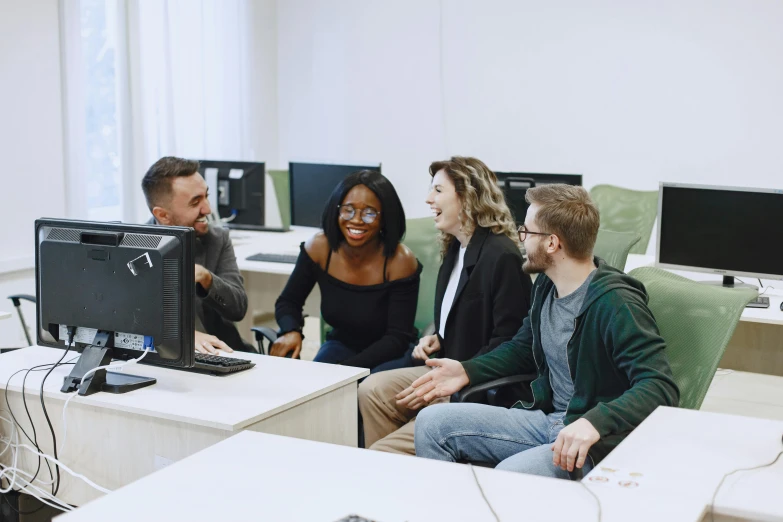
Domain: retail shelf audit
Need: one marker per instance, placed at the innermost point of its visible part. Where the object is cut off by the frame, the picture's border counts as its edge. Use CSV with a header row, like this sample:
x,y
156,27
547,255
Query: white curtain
x,y
182,88
188,88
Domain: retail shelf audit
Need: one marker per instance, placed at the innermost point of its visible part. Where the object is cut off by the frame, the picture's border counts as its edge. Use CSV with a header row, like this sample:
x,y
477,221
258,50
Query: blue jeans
x,y
335,352
510,439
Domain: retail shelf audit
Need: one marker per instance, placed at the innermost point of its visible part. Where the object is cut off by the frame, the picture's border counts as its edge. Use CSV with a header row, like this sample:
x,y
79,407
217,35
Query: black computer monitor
x,y
123,288
311,186
720,230
515,185
239,192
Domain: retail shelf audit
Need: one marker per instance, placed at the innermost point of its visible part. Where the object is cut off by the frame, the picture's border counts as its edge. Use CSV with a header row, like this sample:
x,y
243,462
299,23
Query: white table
x,y
263,477
746,394
264,281
116,439
682,455
247,243
757,343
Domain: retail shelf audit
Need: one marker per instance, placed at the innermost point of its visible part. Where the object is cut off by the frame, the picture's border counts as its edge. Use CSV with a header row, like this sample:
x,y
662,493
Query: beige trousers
x,y
388,427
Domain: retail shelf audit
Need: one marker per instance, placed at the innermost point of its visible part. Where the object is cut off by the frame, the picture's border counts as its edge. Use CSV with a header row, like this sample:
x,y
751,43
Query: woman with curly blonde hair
x,y
481,297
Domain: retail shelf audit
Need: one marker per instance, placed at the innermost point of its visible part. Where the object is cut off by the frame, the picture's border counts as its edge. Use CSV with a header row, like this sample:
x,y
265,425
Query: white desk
x,y
772,315
116,439
265,281
682,456
261,477
246,243
757,343
746,394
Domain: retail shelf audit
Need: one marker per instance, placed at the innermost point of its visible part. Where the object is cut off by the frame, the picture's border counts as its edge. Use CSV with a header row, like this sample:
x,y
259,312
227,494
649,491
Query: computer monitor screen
x,y
311,186
236,192
721,230
515,184
130,285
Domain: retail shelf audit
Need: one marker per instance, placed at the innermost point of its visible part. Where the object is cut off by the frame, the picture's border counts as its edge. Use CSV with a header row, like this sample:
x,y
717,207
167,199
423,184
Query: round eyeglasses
x,y
368,214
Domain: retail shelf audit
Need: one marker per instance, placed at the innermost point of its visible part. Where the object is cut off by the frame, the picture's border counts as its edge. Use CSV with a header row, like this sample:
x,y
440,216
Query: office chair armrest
x,y
261,333
16,299
472,391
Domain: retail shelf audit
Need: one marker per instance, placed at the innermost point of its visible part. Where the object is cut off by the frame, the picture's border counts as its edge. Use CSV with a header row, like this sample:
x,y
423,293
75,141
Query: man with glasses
x,y
590,339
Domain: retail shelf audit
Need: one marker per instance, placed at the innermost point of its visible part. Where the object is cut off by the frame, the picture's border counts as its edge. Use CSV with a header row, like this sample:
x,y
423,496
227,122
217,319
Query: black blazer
x,y
492,299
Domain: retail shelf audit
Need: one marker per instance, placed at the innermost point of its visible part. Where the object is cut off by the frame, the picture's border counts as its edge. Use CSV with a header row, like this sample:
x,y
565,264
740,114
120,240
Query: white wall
x,y
359,82
31,132
629,93
30,141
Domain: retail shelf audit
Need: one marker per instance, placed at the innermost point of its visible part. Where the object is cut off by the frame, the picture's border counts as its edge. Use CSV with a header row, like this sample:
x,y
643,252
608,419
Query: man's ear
x,y
162,216
553,245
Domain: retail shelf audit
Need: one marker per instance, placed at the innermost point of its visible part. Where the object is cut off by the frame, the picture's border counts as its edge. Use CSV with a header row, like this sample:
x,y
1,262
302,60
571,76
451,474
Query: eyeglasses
x,y
523,232
368,214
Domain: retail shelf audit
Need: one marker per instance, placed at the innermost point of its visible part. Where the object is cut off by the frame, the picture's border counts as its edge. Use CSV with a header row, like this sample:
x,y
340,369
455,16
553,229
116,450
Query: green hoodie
x,y
616,358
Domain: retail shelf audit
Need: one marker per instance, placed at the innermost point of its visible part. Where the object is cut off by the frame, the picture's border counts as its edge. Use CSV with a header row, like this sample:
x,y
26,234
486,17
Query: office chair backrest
x,y
422,238
625,210
696,321
613,247
283,193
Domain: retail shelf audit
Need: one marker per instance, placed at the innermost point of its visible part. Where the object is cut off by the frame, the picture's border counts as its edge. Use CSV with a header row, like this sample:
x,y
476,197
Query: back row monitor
x,y
515,184
729,231
311,184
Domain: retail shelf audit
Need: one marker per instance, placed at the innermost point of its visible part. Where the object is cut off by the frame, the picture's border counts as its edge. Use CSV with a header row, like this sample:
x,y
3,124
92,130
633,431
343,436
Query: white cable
x,y
47,457
27,485
115,367
66,468
15,475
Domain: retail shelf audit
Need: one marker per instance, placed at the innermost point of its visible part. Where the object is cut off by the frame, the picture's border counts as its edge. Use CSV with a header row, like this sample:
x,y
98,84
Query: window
x,y
102,175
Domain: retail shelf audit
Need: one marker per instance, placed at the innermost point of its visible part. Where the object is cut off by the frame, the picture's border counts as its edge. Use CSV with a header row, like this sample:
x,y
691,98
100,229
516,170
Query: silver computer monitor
x,y
730,231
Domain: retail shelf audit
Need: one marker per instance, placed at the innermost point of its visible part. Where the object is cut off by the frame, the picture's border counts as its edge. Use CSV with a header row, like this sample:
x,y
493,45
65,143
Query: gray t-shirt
x,y
558,319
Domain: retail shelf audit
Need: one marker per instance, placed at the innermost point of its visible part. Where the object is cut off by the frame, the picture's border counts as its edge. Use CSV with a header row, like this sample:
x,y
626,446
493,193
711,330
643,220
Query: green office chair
x,y
283,193
422,238
625,210
613,247
696,321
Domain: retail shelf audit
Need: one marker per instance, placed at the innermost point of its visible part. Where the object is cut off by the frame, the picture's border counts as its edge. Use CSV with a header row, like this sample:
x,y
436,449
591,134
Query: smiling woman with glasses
x,y
369,281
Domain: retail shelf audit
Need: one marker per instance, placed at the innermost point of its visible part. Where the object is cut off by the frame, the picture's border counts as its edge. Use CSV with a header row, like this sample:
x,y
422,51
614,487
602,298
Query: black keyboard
x,y
206,362
759,302
274,258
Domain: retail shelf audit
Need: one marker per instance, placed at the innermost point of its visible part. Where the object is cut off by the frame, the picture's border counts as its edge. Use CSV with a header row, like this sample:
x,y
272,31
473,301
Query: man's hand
x,y
446,377
203,276
290,342
428,344
206,343
573,441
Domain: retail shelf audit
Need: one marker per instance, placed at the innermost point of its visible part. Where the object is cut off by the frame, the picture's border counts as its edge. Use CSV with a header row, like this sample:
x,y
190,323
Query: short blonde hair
x,y
482,200
569,213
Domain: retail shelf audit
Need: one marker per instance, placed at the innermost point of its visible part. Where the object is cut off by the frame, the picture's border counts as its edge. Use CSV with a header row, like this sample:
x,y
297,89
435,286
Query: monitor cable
x,y
71,332
722,480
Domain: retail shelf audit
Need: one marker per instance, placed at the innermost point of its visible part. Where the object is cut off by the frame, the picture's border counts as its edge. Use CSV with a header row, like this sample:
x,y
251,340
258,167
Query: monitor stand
x,y
730,282
93,356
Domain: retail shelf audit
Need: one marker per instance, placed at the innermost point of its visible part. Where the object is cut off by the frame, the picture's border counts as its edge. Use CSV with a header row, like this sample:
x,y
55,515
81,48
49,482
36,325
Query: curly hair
x,y
482,200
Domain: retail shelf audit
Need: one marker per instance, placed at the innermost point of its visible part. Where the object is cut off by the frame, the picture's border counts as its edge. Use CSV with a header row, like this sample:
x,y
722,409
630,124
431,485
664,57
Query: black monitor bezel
x,y
292,182
185,235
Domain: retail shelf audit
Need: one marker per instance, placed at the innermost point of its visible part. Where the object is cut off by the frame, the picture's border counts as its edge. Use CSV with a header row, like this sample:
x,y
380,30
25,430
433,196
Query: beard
x,y
537,260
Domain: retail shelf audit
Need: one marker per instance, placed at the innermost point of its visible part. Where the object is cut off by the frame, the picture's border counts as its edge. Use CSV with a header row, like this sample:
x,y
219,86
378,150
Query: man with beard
x,y
177,195
591,340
